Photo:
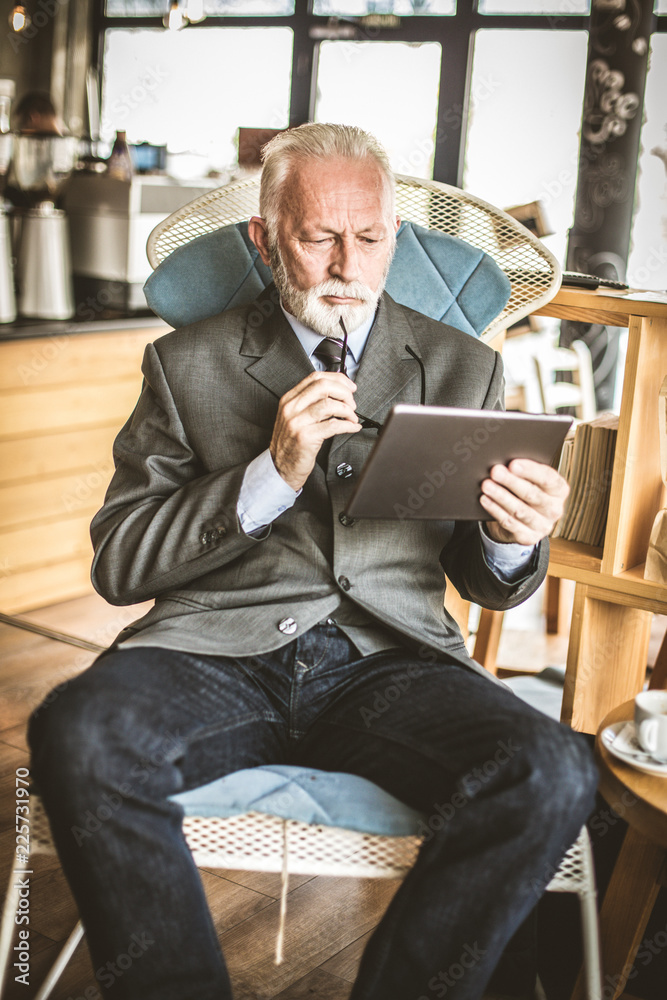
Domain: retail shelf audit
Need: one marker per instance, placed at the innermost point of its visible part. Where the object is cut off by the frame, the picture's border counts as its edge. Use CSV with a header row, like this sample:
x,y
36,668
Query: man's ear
x,y
397,224
258,233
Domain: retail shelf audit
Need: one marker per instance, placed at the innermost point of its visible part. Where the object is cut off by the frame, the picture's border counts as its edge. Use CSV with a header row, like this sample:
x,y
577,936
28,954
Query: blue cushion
x,y
304,794
446,279
434,273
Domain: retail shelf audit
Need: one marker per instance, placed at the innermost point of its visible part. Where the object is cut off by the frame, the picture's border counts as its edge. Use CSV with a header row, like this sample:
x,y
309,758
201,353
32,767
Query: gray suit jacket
x,y
169,528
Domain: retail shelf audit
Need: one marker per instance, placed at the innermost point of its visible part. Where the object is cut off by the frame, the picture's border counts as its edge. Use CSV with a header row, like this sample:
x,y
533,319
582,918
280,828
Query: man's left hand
x,y
525,499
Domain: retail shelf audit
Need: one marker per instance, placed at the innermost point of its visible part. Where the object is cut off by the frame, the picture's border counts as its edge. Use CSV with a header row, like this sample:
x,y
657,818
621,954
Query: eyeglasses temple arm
x,y
422,397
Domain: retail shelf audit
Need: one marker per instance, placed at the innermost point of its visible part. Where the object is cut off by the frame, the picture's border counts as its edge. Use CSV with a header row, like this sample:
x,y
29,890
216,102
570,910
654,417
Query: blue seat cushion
x,y
436,274
304,794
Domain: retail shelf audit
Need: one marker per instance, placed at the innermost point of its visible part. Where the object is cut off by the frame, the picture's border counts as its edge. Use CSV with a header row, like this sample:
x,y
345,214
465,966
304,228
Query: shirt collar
x,y
309,340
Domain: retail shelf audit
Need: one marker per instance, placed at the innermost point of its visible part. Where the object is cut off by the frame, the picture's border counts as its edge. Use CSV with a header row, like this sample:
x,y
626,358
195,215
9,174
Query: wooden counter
x,y
63,398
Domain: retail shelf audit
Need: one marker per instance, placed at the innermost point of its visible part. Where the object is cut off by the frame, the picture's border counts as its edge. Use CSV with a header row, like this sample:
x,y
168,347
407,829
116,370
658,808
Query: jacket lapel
x,y
385,370
281,360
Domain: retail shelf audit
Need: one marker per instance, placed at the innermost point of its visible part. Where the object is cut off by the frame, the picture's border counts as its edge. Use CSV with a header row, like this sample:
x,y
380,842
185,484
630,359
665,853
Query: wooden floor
x,y
328,919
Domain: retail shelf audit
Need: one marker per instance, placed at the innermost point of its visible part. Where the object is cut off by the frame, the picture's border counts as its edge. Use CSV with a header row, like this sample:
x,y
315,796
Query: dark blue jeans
x,y
505,790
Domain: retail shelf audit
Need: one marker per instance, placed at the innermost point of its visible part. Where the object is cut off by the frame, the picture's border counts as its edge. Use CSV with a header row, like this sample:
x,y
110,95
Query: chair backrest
x,y
533,272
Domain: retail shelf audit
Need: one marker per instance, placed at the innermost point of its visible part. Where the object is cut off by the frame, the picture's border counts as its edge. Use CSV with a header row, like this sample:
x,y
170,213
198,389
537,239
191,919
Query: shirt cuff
x,y
264,494
508,560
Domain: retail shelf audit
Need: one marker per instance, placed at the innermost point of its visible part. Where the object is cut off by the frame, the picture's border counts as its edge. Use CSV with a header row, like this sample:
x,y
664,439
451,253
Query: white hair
x,y
317,141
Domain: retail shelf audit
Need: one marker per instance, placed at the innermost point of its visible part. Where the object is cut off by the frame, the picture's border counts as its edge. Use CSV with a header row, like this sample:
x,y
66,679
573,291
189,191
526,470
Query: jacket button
x,y
344,583
205,538
287,626
344,470
346,520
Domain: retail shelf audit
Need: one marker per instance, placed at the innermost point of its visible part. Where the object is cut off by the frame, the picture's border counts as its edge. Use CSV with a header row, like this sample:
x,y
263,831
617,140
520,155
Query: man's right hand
x,y
319,407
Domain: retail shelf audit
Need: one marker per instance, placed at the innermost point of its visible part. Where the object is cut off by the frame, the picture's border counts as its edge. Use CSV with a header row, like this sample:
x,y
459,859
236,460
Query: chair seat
x,y
224,828
306,795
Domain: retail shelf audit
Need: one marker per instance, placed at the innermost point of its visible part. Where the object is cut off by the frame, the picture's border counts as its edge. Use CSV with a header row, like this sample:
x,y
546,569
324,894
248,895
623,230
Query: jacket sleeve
x,y
165,520
463,558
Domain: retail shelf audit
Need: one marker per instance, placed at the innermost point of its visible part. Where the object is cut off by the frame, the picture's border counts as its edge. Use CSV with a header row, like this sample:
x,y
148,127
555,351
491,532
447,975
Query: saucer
x,y
621,742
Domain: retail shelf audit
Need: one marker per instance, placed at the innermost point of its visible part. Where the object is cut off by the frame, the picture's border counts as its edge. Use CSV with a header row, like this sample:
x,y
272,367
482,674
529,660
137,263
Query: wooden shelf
x,y
628,587
613,602
614,308
573,556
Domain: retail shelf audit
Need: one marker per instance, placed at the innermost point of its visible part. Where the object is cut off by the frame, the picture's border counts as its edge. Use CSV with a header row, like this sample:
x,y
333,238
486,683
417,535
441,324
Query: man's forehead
x,y
317,189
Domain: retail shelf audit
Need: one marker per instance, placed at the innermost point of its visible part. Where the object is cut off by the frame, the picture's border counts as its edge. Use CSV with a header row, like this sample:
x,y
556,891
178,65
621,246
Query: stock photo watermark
x,y
435,479
441,983
142,770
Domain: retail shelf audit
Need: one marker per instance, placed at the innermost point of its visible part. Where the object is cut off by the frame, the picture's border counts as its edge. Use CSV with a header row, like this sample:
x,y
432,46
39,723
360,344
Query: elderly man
x,y
277,621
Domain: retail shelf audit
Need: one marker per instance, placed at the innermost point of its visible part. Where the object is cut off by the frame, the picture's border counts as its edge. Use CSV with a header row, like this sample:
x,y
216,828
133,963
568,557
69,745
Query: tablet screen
x,y
429,461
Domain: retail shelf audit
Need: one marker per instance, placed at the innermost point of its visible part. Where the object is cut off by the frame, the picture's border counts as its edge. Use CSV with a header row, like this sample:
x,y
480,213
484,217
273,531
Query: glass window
x,y
558,7
240,8
135,8
522,143
388,88
647,266
660,6
185,89
403,8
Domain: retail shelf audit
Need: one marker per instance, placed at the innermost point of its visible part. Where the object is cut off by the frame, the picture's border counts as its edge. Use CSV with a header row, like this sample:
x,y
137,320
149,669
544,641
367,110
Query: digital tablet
x,y
429,461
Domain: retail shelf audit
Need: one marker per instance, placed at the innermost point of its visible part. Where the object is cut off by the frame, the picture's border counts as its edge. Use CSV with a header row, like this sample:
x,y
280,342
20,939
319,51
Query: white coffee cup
x,y
651,723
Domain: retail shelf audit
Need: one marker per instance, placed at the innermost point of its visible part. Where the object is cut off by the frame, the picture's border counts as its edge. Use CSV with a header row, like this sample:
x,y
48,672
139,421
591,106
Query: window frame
x,y
455,33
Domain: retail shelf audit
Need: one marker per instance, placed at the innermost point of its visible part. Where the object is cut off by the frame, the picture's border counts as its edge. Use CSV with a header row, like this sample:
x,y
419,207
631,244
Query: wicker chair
x,y
255,840
533,271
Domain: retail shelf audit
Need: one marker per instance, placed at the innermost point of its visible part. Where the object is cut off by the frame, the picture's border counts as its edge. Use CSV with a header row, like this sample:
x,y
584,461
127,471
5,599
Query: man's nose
x,y
345,261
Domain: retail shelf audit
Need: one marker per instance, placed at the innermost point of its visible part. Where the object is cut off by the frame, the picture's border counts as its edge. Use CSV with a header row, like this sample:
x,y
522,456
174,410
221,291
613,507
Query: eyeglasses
x,y
366,422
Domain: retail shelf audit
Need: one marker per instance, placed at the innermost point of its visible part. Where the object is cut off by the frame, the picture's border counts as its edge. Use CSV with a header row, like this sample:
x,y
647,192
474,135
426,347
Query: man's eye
x,y
368,241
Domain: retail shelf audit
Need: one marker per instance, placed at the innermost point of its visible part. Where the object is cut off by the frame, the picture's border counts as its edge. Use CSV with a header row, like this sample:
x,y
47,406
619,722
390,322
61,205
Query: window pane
x,y
647,266
535,7
523,143
182,88
404,8
660,6
388,88
135,8
240,8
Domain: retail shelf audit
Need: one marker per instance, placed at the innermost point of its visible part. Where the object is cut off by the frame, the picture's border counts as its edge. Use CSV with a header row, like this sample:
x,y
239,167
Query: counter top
x,y
24,329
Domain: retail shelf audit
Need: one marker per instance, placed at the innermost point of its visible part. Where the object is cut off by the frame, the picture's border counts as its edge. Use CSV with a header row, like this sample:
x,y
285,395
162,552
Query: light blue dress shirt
x,y
265,495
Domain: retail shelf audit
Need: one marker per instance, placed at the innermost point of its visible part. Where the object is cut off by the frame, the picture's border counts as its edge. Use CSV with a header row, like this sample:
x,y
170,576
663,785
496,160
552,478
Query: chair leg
x,y
8,927
591,945
58,967
553,608
488,638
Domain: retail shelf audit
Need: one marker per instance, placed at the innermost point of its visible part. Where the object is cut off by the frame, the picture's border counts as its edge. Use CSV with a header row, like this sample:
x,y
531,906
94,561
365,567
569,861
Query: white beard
x,y
307,306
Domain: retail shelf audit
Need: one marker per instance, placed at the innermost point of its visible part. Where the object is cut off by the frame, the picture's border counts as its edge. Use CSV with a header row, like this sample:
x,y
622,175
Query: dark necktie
x,y
329,351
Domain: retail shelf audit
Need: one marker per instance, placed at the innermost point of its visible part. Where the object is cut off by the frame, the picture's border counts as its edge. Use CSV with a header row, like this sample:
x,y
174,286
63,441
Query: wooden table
x,y
641,800
611,618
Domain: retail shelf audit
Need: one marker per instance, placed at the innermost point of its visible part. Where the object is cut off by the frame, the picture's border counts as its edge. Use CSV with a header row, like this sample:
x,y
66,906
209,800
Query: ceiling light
x,y
18,19
195,10
175,19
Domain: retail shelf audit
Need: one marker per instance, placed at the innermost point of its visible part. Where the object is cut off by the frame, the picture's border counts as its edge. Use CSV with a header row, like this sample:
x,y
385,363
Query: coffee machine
x,y
40,166
7,298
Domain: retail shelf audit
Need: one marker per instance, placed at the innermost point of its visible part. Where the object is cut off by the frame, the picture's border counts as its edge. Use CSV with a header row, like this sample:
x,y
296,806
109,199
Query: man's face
x,y
334,241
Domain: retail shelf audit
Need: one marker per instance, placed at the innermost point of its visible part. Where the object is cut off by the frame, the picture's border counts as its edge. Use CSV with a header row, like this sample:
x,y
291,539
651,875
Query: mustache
x,y
344,289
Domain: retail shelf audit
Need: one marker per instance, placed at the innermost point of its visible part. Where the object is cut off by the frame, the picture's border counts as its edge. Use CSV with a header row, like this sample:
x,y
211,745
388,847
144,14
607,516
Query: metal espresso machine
x,y
7,298
40,166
